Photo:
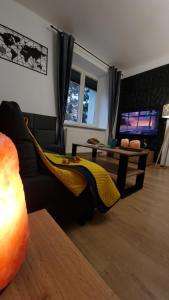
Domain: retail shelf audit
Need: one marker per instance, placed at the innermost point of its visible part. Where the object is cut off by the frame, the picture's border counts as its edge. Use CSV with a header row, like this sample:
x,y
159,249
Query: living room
x,y
127,245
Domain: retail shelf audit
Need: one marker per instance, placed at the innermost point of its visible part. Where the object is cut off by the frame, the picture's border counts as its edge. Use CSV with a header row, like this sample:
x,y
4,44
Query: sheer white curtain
x,y
165,150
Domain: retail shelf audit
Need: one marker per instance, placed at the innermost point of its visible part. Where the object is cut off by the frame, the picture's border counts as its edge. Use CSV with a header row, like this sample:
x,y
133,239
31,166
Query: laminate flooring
x,y
129,246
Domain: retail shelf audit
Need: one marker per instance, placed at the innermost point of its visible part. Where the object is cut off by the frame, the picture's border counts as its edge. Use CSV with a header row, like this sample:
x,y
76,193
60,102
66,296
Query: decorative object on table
x,y
93,141
22,50
144,144
164,151
113,143
124,143
13,213
131,149
67,159
135,144
96,142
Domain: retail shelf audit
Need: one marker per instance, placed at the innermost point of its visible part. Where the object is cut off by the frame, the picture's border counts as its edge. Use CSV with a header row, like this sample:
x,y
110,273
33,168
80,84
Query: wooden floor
x,y
129,246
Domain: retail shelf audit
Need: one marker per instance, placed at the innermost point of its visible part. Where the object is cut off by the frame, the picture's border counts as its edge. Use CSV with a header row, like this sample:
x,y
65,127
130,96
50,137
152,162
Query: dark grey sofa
x,y
44,129
42,189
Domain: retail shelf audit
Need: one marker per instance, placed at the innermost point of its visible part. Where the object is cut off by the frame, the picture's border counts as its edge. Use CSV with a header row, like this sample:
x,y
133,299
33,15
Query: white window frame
x,y
81,97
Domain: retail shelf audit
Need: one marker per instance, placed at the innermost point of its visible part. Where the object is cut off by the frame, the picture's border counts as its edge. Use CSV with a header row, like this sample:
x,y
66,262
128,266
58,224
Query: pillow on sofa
x,y
13,125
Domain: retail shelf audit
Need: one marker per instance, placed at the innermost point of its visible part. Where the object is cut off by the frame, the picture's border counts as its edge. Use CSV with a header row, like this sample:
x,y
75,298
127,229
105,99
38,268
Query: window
x,y
81,102
89,101
73,97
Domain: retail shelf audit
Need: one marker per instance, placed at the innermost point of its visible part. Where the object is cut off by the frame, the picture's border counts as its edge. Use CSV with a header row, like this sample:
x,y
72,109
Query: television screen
x,y
140,122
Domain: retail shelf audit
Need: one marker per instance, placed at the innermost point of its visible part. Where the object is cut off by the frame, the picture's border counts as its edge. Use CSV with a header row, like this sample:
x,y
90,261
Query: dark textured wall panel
x,y
148,90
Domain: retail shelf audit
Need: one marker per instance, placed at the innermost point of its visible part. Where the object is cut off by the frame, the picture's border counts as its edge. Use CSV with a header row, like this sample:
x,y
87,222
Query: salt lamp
x,y
135,144
13,213
124,143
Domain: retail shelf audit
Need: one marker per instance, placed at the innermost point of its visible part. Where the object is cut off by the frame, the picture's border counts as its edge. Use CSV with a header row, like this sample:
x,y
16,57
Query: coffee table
x,y
54,268
121,169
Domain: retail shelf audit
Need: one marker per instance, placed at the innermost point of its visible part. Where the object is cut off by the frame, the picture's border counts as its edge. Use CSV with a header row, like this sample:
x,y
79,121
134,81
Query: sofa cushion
x,y
44,130
45,122
53,148
45,137
13,125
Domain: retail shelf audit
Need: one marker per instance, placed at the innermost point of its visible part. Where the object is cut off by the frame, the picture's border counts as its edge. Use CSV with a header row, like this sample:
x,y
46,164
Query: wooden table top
x,y
115,150
54,268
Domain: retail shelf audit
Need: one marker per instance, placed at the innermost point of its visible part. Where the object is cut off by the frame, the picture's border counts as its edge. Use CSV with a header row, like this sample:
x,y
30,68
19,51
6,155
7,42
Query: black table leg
x,y
74,149
94,153
141,166
122,173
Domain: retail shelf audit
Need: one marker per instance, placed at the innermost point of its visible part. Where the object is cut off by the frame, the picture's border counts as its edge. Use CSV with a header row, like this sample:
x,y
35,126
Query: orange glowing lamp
x,y
13,213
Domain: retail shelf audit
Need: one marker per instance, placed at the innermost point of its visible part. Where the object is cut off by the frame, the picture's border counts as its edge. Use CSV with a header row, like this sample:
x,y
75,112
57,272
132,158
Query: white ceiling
x,y
125,33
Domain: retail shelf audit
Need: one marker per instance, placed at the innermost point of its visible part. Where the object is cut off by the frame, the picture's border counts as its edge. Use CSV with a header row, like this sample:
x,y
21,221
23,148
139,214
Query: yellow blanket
x,y
105,186
76,176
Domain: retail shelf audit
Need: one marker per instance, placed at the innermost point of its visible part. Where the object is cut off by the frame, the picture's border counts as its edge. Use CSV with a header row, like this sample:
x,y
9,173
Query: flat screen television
x,y
139,122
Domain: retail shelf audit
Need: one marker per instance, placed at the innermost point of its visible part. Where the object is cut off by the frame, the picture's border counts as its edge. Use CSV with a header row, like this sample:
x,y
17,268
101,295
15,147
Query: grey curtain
x,y
65,44
114,95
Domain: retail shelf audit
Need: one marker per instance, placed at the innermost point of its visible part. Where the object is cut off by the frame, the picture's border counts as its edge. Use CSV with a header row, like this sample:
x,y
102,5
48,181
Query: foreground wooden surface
x,y
54,268
129,246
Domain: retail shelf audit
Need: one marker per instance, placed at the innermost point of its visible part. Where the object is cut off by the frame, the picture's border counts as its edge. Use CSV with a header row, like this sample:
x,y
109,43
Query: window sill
x,y
78,125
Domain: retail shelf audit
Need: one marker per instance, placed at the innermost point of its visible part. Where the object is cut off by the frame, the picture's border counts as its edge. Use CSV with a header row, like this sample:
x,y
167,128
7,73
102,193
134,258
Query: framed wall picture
x,y
22,50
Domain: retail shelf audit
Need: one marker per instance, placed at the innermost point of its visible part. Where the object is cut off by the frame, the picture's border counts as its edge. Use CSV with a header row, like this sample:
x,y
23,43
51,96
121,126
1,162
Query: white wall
x,y
33,91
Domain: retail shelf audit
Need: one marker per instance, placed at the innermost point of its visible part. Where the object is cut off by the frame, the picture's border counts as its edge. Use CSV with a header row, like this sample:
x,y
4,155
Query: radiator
x,y
81,135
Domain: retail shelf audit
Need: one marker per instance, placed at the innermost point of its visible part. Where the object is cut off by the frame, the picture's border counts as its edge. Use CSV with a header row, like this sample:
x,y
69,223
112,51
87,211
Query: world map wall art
x,y
23,51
